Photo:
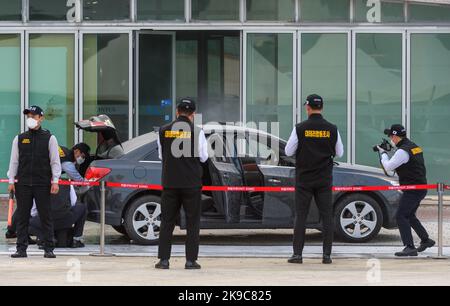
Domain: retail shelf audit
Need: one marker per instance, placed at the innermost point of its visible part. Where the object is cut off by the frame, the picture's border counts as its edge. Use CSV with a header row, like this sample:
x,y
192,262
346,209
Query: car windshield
x,y
138,142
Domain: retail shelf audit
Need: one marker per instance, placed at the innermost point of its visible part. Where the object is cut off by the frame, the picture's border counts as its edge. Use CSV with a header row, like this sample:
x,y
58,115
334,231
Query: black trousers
x,y
407,219
172,201
25,196
322,195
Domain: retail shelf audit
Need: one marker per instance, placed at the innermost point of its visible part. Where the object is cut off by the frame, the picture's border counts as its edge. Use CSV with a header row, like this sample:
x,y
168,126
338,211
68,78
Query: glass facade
x,y
431,13
327,55
106,80
235,72
10,10
101,10
215,10
10,97
379,11
52,82
281,10
325,10
270,73
48,10
379,77
160,10
430,101
208,70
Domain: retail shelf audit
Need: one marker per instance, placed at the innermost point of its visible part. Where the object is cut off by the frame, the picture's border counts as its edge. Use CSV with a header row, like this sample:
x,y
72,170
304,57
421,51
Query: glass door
x,y
270,80
379,98
51,82
155,79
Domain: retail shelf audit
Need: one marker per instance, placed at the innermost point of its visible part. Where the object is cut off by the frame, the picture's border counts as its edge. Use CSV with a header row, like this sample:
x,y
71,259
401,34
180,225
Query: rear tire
x,y
358,218
142,220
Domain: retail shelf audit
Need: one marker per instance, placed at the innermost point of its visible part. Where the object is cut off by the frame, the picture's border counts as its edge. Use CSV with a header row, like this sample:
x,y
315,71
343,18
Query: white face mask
x,y
32,123
80,160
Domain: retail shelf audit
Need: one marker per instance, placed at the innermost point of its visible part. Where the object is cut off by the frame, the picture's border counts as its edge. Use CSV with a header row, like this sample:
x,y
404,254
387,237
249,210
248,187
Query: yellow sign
x,y
26,141
317,134
417,150
61,153
177,134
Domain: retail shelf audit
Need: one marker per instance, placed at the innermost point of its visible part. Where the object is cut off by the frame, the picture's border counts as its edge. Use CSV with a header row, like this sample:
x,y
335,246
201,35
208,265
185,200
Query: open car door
x,y
224,172
109,144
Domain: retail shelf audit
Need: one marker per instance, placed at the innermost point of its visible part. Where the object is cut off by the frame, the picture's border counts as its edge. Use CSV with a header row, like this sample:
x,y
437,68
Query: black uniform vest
x,y
414,171
316,150
34,160
183,170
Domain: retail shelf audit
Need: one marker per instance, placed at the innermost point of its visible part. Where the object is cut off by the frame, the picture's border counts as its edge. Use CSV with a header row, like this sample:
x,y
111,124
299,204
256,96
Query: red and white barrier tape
x,y
250,188
65,183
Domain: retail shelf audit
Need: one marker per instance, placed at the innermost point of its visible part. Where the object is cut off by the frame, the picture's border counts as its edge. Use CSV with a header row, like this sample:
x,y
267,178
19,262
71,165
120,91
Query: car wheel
x,y
143,220
358,218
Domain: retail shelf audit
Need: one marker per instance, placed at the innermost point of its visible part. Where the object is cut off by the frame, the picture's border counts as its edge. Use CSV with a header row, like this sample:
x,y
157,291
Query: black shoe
x,y
19,254
192,265
163,264
10,235
49,254
327,260
407,252
77,244
426,245
296,259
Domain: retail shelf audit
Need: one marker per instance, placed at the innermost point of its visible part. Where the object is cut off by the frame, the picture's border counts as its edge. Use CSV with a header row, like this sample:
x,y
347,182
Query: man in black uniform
x,y
182,149
36,166
409,163
314,142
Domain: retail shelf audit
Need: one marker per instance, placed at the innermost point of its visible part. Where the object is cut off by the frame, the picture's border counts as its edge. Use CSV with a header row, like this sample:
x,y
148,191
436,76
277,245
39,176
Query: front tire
x,y
142,220
358,218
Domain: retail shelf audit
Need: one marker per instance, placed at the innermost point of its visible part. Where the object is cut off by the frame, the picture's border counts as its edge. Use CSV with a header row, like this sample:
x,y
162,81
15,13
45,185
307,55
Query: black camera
x,y
385,145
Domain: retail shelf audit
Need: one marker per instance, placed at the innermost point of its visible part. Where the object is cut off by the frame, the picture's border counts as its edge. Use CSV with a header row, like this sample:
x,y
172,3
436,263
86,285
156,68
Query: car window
x,y
152,156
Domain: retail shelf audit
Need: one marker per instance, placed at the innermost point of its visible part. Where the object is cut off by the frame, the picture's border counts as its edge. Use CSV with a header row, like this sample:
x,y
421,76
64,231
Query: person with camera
x,y
409,163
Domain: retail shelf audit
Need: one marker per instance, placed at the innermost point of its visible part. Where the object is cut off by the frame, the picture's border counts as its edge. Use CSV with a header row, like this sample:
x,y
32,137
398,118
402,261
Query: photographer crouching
x,y
409,163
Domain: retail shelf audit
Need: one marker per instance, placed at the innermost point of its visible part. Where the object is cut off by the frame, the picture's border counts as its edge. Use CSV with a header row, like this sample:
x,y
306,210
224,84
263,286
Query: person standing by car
x,y
182,148
36,166
314,142
409,163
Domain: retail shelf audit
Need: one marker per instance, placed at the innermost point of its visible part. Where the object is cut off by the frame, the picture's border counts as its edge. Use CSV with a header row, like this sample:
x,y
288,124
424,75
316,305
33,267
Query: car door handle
x,y
274,181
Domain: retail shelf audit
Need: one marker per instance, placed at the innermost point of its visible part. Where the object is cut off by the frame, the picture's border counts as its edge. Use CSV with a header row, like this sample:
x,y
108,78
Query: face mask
x,y
80,160
32,123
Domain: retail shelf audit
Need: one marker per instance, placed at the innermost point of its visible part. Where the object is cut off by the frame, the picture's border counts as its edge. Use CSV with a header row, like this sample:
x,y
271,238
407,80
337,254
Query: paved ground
x,y
222,271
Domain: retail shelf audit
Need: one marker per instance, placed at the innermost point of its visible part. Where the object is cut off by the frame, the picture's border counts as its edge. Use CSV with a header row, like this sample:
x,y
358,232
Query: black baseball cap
x,y
315,101
186,104
34,110
84,148
397,130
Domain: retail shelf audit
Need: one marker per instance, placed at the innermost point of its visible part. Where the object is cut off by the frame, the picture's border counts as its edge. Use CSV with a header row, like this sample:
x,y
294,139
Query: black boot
x,y
296,259
192,265
327,260
19,254
49,254
10,235
77,244
163,264
426,245
407,252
